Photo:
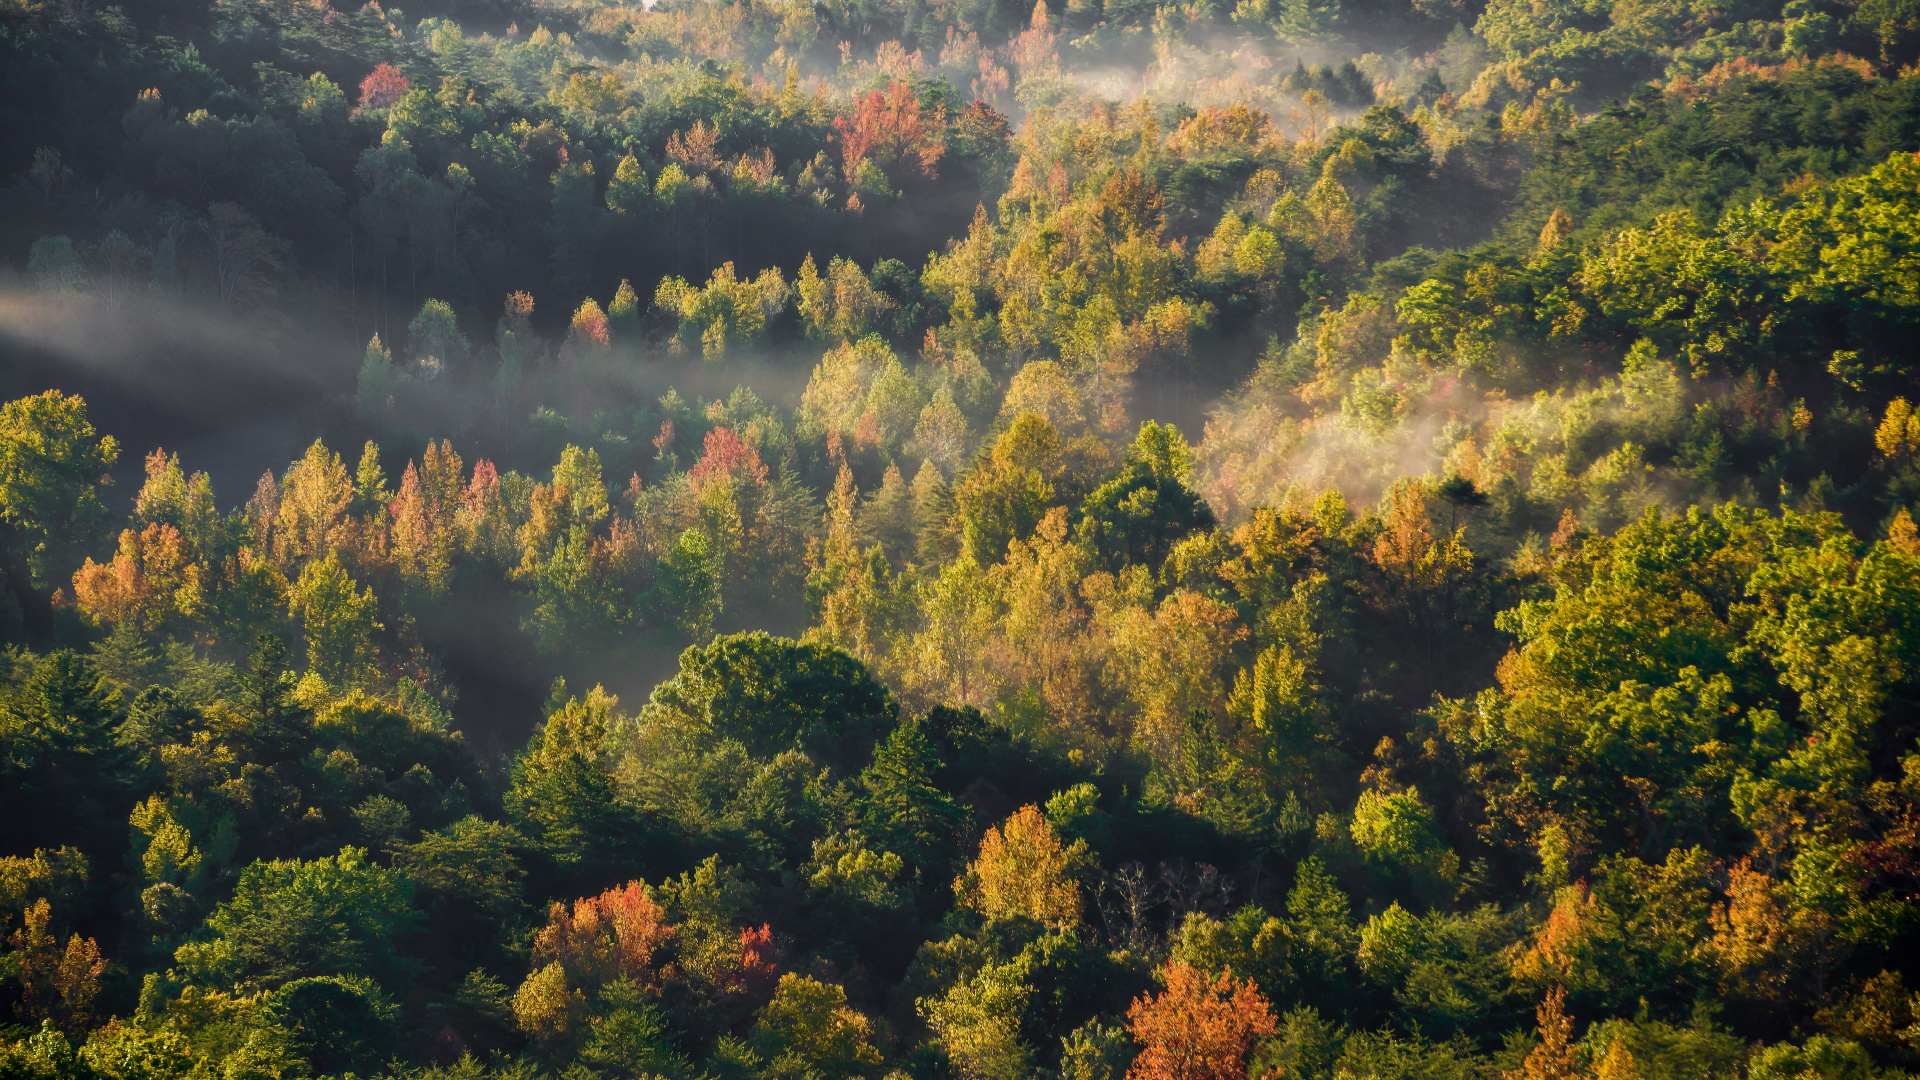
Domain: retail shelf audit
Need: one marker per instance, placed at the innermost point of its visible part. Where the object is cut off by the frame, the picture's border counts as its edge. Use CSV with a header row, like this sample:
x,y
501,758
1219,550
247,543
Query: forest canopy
x,y
950,540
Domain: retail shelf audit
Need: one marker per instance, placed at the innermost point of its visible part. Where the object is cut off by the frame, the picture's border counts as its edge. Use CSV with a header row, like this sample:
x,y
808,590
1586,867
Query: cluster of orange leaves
x,y
55,984
384,86
1198,1029
616,935
140,580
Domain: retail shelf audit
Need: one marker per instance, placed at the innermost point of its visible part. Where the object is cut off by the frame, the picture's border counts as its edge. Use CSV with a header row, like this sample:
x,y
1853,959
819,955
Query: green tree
x,y
52,465
339,1025
65,762
338,620
902,811
291,919
1320,917
771,693
562,793
262,698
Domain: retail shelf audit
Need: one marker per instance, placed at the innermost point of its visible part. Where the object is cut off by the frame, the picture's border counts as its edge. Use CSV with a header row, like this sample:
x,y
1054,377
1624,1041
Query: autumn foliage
x,y
1552,1058
726,454
1196,1029
616,935
384,86
889,130
56,984
1024,870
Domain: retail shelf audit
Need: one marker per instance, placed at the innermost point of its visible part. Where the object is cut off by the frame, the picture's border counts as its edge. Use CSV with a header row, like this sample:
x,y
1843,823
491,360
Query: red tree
x,y
384,87
1198,1030
889,129
726,455
483,491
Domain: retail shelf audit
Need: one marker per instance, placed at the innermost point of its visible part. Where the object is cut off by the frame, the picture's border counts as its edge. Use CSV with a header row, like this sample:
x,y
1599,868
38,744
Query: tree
x,y
244,256
1321,920
809,1021
546,1010
978,1022
903,811
382,87
1554,1056
339,1025
562,793
1004,496
724,453
338,620
629,1036
1399,831
70,761
52,465
771,693
689,580
422,549
615,935
630,193
263,698
1136,517
291,919
889,130
56,985
435,338
310,519
1024,870
1196,1030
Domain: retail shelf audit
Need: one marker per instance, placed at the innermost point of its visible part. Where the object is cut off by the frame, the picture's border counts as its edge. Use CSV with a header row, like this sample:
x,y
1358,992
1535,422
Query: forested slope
x,y
1311,538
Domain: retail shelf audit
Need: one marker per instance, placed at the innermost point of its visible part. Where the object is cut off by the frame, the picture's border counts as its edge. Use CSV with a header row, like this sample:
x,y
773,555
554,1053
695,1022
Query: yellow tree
x,y
808,1020
1024,870
421,550
1165,662
947,659
1044,632
311,517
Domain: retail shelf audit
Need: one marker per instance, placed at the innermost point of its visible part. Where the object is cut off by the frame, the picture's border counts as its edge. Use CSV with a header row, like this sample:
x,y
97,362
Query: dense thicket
x,y
1518,677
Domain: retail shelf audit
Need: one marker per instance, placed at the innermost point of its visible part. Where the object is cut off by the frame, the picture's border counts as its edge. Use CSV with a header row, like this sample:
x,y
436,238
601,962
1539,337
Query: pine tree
x,y
902,811
263,697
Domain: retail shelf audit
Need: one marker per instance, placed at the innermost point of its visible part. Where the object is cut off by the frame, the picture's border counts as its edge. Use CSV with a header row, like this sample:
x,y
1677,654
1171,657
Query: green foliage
x,y
1516,678
902,810
338,1025
771,693
52,464
292,919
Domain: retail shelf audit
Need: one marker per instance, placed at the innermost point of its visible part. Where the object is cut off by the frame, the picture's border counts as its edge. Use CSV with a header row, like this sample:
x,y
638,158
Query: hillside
x,y
950,541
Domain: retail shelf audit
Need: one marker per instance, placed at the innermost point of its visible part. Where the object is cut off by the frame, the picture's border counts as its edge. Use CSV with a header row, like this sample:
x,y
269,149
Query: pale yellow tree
x,y
1166,661
946,659
1043,634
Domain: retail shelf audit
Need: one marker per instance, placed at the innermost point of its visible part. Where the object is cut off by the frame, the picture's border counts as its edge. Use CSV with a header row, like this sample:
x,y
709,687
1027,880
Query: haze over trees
x,y
959,541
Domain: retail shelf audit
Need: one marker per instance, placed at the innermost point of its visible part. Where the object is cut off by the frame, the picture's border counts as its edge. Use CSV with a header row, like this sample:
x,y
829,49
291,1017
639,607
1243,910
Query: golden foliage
x,y
1023,870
